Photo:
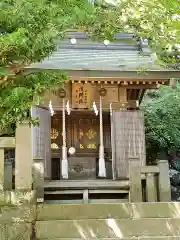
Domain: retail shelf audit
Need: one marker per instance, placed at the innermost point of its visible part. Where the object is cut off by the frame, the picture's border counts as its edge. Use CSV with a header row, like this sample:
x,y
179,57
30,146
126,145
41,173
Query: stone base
x,y
17,197
16,221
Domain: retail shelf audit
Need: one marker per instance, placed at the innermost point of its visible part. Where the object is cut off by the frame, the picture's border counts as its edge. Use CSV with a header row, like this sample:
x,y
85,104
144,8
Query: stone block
x,y
135,180
160,238
17,214
23,156
38,179
108,228
129,238
15,231
83,211
156,210
164,182
23,197
151,187
5,197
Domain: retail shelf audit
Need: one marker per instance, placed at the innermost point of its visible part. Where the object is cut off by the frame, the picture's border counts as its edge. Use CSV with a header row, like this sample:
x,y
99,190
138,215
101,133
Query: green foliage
x,y
30,29
158,21
162,117
20,93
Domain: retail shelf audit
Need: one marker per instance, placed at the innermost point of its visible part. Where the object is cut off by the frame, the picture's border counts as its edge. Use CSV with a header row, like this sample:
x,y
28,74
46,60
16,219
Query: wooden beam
x,y
119,80
124,74
141,86
88,184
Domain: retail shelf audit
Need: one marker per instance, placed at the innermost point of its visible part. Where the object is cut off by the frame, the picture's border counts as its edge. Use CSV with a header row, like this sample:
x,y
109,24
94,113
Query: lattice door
x,y
41,137
129,139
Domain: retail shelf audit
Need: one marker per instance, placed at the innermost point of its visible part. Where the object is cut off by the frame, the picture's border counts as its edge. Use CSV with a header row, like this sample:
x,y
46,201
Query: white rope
x,y
51,108
102,167
110,109
64,162
95,108
68,108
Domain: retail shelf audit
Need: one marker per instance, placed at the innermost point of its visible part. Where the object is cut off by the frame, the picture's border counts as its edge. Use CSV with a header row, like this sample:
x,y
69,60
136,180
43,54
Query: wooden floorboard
x,y
87,184
81,191
80,201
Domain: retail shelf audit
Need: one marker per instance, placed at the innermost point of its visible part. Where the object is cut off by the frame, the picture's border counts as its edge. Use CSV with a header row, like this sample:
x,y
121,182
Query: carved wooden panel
x,y
82,130
88,134
82,168
111,96
129,139
55,98
56,132
81,95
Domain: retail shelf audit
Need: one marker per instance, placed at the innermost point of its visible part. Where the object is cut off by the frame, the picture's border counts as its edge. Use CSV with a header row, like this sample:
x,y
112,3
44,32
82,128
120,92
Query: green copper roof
x,y
125,53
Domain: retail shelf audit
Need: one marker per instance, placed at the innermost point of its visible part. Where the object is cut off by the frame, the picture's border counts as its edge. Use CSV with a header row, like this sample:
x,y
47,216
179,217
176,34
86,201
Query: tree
x,y
162,115
28,33
29,30
158,21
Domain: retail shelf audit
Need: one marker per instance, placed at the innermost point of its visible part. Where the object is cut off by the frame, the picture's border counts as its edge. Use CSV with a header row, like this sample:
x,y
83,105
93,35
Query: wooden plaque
x,y
81,95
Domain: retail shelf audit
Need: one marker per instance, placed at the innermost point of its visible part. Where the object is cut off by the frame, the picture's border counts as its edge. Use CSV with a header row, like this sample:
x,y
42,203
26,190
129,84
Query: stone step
x,y
107,228
129,238
108,210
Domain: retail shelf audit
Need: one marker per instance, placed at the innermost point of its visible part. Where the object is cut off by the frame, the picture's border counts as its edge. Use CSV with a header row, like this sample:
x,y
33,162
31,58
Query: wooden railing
x,y
29,172
156,178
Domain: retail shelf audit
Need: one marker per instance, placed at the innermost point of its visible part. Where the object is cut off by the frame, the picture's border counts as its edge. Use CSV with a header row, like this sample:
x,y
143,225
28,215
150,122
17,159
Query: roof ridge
x,y
84,35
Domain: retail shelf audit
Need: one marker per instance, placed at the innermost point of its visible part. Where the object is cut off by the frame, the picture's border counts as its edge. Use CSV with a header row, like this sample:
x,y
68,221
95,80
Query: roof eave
x,y
149,74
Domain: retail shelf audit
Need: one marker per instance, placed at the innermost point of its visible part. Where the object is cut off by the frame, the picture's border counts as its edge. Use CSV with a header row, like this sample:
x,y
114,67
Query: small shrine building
x,y
93,125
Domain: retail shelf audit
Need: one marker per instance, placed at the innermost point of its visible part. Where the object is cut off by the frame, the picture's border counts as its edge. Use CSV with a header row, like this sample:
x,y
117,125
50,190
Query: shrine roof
x,y
125,53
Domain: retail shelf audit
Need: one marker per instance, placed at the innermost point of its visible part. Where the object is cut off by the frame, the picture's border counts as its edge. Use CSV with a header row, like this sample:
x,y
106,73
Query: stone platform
x,y
125,221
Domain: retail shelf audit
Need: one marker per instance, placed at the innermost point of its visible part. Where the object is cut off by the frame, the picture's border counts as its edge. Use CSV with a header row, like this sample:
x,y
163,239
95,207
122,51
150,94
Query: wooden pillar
x,y
113,146
8,172
86,196
23,157
102,166
135,180
38,179
1,169
173,82
164,181
151,189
